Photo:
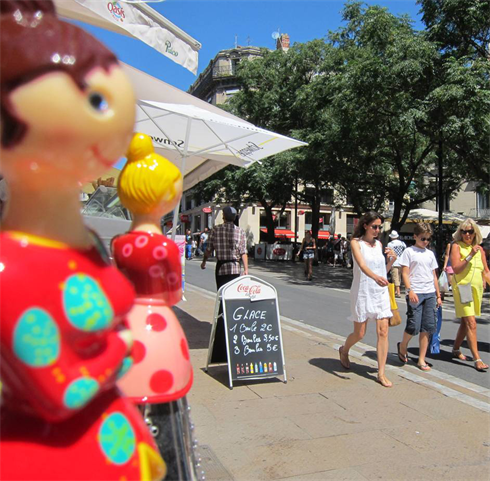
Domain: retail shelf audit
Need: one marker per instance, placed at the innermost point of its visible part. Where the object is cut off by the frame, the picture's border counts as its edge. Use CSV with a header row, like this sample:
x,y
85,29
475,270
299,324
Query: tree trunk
x,y
271,237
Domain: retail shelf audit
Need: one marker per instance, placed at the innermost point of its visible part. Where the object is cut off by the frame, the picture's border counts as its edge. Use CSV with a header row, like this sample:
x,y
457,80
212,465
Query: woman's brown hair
x,y
367,218
35,42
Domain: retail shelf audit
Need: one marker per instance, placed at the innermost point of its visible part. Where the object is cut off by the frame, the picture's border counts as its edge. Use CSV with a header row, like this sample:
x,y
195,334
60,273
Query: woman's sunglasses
x,y
376,227
469,231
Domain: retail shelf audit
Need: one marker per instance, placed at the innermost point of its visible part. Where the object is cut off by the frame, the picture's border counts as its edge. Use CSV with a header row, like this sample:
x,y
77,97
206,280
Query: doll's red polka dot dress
x,y
161,370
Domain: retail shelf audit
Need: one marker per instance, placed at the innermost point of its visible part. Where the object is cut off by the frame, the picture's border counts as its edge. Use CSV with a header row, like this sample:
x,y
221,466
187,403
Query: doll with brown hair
x,y
151,186
67,115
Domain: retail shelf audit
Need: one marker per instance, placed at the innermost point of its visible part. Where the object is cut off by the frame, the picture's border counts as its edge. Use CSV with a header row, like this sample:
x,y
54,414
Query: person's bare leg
x,y
404,344
310,268
470,322
423,345
460,336
352,338
382,329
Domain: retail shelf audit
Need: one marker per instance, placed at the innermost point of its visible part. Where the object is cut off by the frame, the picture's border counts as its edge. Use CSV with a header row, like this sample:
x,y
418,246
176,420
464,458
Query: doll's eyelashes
x,y
98,102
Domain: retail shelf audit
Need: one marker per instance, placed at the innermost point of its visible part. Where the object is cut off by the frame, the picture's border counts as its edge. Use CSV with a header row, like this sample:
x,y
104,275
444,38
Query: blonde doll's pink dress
x,y
161,370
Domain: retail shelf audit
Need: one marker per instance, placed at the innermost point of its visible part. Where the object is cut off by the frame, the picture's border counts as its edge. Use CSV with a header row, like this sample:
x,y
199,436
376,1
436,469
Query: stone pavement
x,y
327,423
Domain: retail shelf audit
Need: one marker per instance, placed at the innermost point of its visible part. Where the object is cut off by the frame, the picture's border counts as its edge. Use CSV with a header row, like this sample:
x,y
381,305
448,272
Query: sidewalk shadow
x,y
333,366
482,345
196,331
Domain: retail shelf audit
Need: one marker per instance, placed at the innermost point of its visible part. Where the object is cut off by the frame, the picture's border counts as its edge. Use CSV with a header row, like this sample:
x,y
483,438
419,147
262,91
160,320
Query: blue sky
x,y
215,23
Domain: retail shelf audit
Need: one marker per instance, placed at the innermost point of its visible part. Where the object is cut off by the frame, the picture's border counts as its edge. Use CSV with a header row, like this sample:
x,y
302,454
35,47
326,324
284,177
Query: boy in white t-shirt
x,y
423,297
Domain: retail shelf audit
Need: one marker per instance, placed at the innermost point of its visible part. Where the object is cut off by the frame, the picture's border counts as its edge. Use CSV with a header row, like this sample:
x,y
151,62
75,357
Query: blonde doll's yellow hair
x,y
147,178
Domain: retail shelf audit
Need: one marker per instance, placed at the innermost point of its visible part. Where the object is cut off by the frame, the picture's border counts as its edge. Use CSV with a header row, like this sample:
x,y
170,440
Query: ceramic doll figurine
x,y
150,186
67,115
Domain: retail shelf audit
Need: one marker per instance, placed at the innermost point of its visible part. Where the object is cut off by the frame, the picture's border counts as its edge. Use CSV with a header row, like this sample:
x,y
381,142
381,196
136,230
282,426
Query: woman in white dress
x,y
369,295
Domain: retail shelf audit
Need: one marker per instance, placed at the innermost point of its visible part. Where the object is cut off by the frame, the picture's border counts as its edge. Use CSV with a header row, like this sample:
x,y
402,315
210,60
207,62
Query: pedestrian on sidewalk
x,y
419,266
308,247
398,246
188,244
470,266
229,242
369,295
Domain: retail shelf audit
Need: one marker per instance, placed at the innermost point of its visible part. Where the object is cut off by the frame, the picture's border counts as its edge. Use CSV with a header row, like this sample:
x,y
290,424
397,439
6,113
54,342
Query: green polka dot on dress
x,y
36,338
85,303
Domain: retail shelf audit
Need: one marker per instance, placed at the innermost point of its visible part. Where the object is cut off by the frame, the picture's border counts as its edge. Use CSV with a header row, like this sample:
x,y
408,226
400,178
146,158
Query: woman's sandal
x,y
423,367
481,368
384,381
457,354
345,366
403,358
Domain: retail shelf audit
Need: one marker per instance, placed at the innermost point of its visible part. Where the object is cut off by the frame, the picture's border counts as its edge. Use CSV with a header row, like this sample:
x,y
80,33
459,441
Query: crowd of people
x,y
419,272
374,267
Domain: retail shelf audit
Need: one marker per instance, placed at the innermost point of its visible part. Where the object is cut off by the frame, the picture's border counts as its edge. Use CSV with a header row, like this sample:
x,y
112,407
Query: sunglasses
x,y
469,231
425,239
376,227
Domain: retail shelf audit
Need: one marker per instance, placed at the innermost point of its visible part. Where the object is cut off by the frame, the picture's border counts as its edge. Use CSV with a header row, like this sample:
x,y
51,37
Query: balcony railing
x,y
224,71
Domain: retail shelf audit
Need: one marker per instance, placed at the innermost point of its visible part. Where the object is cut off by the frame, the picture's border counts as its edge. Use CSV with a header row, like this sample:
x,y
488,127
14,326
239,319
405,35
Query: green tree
x,y
269,183
381,112
460,27
277,93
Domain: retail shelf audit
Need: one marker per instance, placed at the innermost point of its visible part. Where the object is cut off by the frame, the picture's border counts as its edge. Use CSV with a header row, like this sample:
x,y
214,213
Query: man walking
x,y
398,246
229,242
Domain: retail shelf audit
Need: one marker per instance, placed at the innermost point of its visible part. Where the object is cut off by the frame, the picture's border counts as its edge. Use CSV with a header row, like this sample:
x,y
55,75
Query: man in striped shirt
x,y
229,242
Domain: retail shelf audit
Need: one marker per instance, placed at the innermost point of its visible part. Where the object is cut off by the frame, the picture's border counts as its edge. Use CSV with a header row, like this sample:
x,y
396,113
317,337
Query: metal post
x,y
440,196
296,210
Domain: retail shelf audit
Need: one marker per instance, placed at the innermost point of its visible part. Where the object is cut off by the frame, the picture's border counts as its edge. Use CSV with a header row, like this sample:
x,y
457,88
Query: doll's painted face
x,y
72,135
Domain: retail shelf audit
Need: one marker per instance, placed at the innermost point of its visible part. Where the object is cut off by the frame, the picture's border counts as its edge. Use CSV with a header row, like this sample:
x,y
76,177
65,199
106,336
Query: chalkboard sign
x,y
247,332
254,340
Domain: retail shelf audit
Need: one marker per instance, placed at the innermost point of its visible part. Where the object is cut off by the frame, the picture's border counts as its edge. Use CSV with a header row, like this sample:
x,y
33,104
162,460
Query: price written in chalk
x,y
250,339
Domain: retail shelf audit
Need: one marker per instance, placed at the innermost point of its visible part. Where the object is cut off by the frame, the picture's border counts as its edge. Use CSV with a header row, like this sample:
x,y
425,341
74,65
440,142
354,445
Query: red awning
x,y
323,234
281,233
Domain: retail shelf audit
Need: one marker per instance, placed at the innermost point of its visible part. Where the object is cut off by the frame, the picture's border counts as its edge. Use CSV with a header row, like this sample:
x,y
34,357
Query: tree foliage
x,y
460,27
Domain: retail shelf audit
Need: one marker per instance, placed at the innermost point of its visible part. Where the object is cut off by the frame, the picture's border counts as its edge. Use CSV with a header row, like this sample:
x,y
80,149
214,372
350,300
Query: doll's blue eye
x,y
98,102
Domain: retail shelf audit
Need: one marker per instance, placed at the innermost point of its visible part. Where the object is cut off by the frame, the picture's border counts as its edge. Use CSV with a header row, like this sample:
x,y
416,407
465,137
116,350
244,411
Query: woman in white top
x,y
369,295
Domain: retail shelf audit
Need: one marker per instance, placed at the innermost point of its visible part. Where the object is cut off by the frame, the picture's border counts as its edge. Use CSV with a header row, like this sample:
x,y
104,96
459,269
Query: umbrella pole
x,y
182,171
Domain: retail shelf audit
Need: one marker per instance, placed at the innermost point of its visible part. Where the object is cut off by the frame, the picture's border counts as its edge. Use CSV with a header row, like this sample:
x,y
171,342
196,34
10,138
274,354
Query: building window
x,y
483,201
283,221
445,203
323,224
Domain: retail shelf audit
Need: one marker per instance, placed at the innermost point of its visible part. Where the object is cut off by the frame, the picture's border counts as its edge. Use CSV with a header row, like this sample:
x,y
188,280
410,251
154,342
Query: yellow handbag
x,y
396,319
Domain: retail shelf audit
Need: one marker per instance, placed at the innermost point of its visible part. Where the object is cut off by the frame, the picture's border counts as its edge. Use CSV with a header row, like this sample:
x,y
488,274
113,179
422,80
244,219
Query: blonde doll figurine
x,y
161,375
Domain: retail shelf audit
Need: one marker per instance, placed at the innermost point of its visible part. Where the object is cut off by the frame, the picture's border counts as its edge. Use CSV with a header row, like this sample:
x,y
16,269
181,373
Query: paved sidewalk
x,y
327,423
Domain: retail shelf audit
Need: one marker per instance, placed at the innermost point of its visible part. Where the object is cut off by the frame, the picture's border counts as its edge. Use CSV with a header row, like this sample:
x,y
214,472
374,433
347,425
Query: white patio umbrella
x,y
136,20
187,134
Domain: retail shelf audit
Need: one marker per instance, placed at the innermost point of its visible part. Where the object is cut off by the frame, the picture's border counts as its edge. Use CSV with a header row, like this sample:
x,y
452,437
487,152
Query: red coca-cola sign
x,y
301,212
184,217
207,210
250,290
279,251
